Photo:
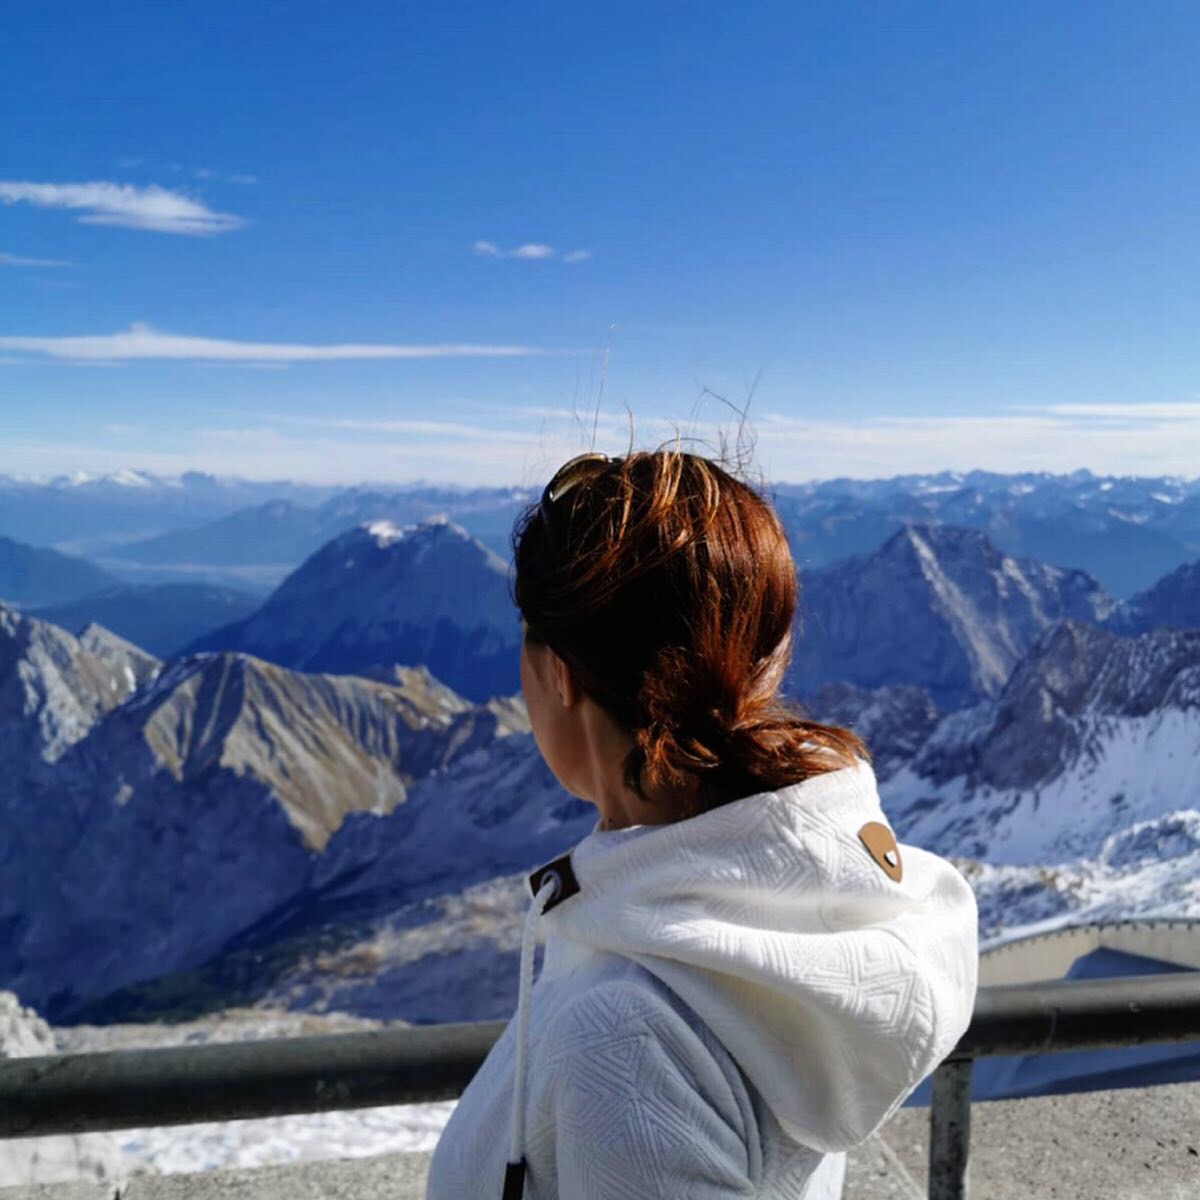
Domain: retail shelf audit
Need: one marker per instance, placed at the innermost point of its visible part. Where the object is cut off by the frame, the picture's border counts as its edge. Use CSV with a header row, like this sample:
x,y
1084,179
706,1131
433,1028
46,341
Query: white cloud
x,y
17,260
530,251
140,341
533,250
121,204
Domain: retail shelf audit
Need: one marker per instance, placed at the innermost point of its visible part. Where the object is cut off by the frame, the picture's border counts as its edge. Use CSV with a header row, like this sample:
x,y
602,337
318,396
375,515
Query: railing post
x,y
950,1130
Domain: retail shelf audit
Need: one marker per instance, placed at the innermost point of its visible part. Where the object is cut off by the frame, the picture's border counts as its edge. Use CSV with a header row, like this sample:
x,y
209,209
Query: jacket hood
x,y
837,968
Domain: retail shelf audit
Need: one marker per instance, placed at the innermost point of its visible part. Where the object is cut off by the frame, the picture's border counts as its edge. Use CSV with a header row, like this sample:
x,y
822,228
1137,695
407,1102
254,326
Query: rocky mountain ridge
x,y
936,606
156,811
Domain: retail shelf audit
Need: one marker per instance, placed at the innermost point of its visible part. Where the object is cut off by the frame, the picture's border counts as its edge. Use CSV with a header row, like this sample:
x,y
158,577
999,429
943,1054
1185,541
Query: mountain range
x,y
219,830
330,801
1124,531
155,811
1065,798
937,606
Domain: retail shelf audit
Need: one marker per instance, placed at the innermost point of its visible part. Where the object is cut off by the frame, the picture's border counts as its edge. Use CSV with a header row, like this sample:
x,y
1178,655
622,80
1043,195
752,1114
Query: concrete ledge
x,y
381,1177
1137,1143
80,1190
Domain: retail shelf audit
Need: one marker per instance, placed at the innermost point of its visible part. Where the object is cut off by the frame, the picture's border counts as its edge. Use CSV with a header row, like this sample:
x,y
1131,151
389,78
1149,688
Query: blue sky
x,y
398,241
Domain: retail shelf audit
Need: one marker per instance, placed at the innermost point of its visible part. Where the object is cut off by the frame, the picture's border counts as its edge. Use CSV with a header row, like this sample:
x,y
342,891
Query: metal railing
x,y
122,1089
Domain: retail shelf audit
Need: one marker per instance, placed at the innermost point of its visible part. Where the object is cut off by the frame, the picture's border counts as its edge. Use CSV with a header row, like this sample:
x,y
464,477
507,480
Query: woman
x,y
744,974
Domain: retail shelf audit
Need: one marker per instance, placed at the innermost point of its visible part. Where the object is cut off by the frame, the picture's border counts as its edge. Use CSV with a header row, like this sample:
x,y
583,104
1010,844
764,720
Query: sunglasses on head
x,y
581,467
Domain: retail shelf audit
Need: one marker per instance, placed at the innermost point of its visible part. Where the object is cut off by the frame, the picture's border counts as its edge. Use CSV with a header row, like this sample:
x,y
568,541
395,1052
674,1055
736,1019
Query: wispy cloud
x,y
1173,411
240,177
527,445
1141,439
153,208
140,341
17,260
128,164
259,451
455,429
530,251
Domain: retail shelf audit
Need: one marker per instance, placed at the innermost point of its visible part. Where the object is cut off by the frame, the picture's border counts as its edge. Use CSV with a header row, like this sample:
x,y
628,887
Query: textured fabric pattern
x,y
726,1005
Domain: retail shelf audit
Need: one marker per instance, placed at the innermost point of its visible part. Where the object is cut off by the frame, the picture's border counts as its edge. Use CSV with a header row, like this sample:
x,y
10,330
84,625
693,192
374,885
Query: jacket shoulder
x,y
625,1064
615,1001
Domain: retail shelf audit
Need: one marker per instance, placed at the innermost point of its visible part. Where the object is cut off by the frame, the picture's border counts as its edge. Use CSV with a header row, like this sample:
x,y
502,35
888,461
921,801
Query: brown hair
x,y
667,587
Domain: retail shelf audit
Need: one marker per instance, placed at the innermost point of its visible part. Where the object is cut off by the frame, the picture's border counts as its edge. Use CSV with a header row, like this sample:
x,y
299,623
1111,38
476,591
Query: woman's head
x,y
662,588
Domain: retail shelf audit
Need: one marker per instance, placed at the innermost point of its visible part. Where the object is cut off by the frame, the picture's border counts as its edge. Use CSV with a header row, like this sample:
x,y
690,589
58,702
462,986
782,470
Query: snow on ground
x,y
216,1144
357,1134
1129,770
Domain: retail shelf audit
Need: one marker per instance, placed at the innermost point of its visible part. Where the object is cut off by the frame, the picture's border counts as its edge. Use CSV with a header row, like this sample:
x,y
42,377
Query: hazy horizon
x,y
134,477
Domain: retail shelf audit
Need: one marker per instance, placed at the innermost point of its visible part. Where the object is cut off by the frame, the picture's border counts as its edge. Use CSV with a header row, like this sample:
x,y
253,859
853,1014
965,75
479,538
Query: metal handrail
x,y
177,1085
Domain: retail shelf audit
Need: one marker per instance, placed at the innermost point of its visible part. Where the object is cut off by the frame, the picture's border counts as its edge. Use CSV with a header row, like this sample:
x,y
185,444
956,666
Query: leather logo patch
x,y
568,885
881,846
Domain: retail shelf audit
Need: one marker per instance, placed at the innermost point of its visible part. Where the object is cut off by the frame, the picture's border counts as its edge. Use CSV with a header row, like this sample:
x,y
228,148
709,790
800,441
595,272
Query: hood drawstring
x,y
514,1172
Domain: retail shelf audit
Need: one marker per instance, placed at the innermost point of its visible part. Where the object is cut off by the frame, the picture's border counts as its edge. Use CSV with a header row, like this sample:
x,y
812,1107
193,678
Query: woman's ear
x,y
564,682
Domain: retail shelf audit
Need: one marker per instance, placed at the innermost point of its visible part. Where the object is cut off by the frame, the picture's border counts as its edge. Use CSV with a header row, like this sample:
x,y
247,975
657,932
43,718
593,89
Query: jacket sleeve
x,y
639,1105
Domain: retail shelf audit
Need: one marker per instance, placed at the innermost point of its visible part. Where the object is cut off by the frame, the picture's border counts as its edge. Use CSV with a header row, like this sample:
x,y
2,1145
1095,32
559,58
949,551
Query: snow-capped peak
x,y
386,532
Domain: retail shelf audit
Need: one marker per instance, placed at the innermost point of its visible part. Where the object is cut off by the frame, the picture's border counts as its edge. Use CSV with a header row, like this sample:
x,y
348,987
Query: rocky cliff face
x,y
428,594
54,687
149,826
937,607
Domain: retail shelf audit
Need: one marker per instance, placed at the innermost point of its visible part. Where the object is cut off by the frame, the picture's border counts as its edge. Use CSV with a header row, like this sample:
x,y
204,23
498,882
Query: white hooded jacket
x,y
726,1004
